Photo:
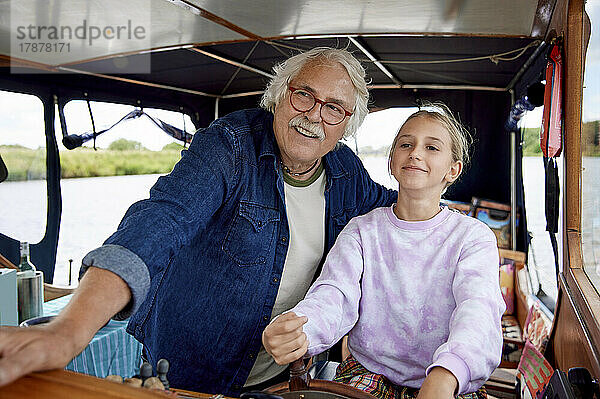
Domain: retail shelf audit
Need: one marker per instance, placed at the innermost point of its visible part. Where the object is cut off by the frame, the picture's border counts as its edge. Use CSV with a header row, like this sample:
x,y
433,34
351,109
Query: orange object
x,y
551,131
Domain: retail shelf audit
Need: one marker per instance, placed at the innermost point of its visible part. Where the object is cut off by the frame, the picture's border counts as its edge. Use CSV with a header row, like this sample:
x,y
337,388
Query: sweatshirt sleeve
x,y
474,345
331,303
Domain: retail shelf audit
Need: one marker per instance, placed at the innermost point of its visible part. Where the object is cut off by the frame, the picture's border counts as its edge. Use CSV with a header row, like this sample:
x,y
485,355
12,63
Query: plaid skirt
x,y
352,373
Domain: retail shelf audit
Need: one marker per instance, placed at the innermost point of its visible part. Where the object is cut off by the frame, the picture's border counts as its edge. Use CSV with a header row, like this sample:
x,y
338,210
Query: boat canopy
x,y
207,58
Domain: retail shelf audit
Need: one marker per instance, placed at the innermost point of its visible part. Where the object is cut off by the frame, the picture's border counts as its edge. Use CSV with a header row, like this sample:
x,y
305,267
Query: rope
x,y
495,58
93,124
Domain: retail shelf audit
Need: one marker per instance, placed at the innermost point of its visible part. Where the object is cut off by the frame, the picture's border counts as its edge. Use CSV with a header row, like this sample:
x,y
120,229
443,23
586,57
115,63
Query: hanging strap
x,y
552,205
72,141
551,145
94,134
76,140
171,130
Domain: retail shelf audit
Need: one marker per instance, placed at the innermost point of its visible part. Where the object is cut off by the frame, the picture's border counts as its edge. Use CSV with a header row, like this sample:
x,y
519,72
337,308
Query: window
x,y
98,186
373,141
590,177
23,196
540,262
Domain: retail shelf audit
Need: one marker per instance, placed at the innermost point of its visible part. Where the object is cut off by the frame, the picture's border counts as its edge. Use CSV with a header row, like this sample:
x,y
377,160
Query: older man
x,y
232,237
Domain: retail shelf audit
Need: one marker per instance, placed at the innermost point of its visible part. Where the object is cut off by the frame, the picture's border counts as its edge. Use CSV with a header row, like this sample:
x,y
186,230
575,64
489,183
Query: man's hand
x,y
439,384
99,296
284,339
43,347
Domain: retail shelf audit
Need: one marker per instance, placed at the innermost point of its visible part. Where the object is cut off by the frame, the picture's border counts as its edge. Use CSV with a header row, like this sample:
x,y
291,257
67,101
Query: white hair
x,y
290,68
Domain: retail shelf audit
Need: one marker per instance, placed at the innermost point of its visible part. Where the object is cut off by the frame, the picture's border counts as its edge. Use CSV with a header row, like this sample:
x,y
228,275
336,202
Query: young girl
x,y
415,286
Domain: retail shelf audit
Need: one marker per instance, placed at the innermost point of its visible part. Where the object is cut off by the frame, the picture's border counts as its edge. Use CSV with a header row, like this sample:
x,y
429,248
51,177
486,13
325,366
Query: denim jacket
x,y
214,237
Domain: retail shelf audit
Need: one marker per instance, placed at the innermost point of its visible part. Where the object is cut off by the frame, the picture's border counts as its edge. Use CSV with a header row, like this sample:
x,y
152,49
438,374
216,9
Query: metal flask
x,y
30,294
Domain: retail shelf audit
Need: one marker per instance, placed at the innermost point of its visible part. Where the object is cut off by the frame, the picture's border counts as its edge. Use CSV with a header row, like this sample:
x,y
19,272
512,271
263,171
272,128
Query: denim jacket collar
x,y
267,146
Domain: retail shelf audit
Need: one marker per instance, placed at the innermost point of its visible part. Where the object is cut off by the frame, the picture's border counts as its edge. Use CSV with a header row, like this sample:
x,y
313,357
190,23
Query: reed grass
x,y
26,164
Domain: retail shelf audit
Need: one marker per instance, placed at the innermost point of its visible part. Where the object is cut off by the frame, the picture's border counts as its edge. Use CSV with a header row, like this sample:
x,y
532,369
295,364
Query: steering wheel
x,y
301,386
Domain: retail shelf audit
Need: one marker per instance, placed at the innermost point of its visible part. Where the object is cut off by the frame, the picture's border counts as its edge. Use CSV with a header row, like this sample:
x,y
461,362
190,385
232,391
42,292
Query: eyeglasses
x,y
303,101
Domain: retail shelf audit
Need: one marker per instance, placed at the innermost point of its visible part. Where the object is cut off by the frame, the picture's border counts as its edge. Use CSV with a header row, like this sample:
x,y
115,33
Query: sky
x,y
591,91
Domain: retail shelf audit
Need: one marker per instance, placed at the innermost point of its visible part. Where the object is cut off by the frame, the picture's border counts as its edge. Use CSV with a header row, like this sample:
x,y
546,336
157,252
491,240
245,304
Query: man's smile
x,y
305,132
311,130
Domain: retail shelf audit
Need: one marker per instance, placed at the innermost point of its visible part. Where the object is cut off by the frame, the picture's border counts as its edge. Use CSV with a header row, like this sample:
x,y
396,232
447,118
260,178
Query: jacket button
x,y
275,280
251,356
236,387
283,239
265,318
259,223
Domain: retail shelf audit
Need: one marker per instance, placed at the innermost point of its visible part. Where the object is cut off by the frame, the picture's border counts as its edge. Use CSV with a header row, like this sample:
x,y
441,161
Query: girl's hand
x,y
439,384
284,339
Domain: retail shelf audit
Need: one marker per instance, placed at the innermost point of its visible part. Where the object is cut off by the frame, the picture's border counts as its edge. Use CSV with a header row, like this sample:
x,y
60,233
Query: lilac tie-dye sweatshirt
x,y
411,295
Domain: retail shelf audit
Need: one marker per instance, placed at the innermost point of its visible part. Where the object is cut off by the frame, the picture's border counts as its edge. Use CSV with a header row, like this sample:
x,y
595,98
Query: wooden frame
x,y
575,339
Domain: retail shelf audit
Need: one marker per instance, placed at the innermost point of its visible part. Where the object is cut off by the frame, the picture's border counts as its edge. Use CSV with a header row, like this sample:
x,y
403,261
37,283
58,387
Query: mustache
x,y
315,128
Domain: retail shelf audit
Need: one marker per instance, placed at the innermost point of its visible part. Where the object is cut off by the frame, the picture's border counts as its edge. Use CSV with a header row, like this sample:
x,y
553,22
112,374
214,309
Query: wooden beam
x,y
232,62
223,22
543,15
138,82
7,61
573,85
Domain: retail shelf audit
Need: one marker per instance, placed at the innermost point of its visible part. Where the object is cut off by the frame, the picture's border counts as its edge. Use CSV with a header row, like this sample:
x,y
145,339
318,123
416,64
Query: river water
x,y
93,207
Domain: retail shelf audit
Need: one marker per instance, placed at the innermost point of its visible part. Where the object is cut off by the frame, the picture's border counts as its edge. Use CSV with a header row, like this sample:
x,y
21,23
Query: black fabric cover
x,y
3,171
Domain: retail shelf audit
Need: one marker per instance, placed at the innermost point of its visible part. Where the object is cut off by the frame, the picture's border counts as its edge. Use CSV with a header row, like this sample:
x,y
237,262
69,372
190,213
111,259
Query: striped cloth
x,y
111,351
352,373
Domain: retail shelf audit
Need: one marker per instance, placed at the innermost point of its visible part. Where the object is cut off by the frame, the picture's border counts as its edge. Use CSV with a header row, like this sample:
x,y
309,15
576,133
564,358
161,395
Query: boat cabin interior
x,y
485,59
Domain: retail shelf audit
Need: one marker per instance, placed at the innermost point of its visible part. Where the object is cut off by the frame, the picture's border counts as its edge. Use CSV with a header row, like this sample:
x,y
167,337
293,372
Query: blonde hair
x,y
460,137
290,68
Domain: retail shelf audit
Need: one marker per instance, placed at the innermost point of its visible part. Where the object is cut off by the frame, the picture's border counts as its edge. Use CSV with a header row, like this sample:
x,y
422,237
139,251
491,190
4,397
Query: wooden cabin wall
x,y
571,344
575,338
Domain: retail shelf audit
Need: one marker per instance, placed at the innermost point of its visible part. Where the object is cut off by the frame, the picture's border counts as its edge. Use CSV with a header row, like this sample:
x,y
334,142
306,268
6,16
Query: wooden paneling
x,y
571,342
575,337
66,384
521,306
62,384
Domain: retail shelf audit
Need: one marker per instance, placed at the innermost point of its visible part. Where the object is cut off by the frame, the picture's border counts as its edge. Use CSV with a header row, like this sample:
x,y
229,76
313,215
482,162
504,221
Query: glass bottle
x,y
25,265
30,287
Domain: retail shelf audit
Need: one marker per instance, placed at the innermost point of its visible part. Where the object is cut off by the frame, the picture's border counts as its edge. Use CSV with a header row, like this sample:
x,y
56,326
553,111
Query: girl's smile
x,y
413,168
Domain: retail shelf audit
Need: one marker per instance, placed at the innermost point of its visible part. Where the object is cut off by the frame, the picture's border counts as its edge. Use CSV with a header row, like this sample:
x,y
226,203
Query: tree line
x,y
122,157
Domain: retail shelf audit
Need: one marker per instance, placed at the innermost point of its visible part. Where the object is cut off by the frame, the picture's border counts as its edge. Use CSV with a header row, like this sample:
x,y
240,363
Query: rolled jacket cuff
x,y
125,264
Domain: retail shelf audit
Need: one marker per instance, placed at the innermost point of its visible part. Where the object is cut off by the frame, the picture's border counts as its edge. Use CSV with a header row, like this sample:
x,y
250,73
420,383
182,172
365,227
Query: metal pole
x,y
513,185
